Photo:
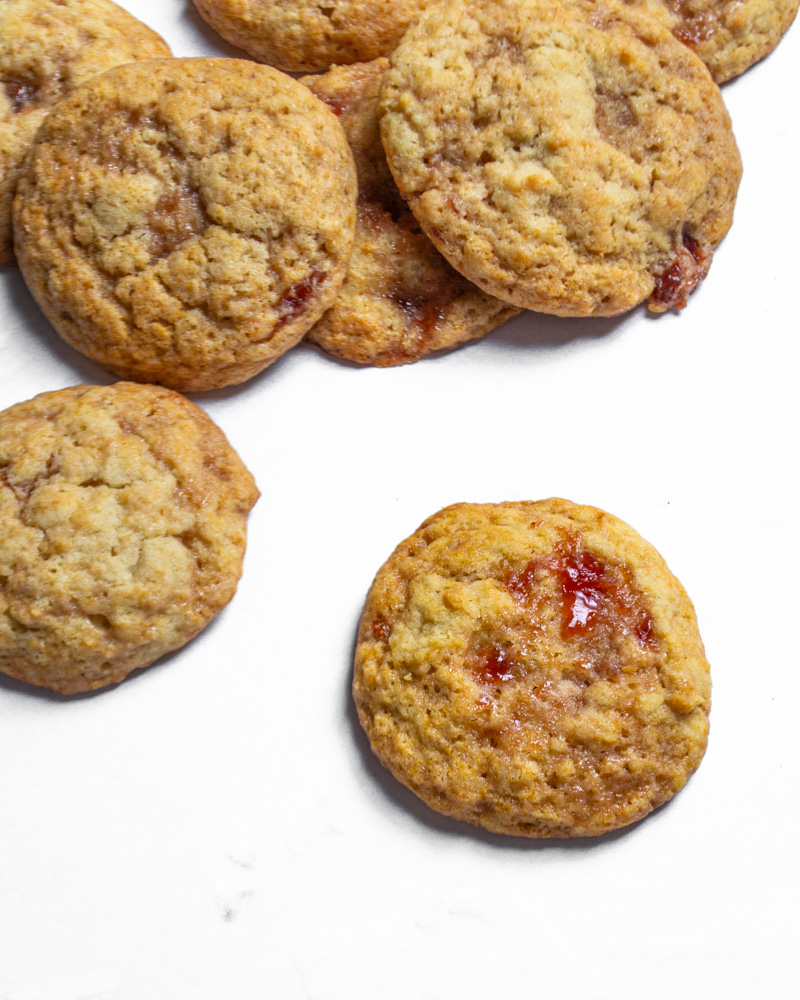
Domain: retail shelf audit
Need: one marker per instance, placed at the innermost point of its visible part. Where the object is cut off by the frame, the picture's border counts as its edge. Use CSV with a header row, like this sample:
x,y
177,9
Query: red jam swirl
x,y
296,297
591,593
682,276
493,666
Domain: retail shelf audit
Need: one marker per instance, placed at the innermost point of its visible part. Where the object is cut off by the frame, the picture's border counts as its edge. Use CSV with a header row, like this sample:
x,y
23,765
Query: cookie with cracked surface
x,y
304,36
569,158
47,48
186,221
533,668
728,35
122,531
401,300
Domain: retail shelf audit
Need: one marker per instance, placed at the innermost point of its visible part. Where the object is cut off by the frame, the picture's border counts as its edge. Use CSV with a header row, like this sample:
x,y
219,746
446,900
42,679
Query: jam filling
x,y
493,666
682,276
592,595
296,298
597,603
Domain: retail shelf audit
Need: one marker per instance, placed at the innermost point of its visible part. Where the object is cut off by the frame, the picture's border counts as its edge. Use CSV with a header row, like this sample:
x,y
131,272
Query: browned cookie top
x,y
532,668
401,300
571,158
308,35
728,35
122,531
47,48
186,221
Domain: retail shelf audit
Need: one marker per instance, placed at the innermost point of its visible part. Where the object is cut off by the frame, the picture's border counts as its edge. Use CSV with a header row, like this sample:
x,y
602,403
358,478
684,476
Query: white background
x,y
216,827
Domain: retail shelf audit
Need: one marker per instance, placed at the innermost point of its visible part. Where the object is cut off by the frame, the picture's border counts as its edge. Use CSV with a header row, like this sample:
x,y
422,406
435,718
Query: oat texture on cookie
x,y
728,35
185,221
310,35
533,668
122,531
570,158
401,300
47,48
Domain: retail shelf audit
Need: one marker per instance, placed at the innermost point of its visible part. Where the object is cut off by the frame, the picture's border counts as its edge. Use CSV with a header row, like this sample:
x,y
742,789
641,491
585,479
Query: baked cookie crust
x,y
304,36
47,49
728,35
532,668
122,531
569,158
186,221
401,300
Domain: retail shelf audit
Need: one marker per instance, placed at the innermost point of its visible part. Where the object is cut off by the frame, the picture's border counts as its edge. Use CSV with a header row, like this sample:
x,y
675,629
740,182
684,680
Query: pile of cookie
x,y
186,223
533,668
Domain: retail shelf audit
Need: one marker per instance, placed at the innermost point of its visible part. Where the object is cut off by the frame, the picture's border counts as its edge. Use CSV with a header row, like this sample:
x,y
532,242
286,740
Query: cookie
x,y
570,158
532,668
122,531
728,35
309,35
401,300
47,48
186,221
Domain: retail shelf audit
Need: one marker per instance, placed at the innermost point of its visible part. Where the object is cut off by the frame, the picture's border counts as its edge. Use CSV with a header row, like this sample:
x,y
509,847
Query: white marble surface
x,y
216,827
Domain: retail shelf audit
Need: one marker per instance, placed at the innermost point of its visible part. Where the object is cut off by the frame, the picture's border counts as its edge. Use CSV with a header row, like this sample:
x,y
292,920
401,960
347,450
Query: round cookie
x,y
309,35
186,221
122,531
532,668
401,300
47,48
569,158
728,35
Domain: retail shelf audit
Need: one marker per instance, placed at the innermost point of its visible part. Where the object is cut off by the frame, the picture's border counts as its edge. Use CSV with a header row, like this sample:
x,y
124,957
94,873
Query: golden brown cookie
x,y
532,668
308,35
401,300
47,48
122,531
571,158
186,221
728,35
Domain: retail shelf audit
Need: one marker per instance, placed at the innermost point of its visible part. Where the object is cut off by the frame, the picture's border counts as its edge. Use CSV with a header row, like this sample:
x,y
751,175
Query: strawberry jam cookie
x,y
534,669
122,531
47,48
570,158
186,221
728,35
401,300
310,35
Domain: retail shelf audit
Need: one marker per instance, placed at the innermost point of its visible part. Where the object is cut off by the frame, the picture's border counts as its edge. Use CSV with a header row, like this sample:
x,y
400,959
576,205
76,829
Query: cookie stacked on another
x,y
47,48
728,35
186,221
401,300
573,159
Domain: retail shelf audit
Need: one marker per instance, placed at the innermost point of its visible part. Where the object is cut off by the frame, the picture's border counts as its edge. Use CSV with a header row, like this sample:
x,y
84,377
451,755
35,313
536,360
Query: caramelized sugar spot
x,y
614,118
178,216
21,93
